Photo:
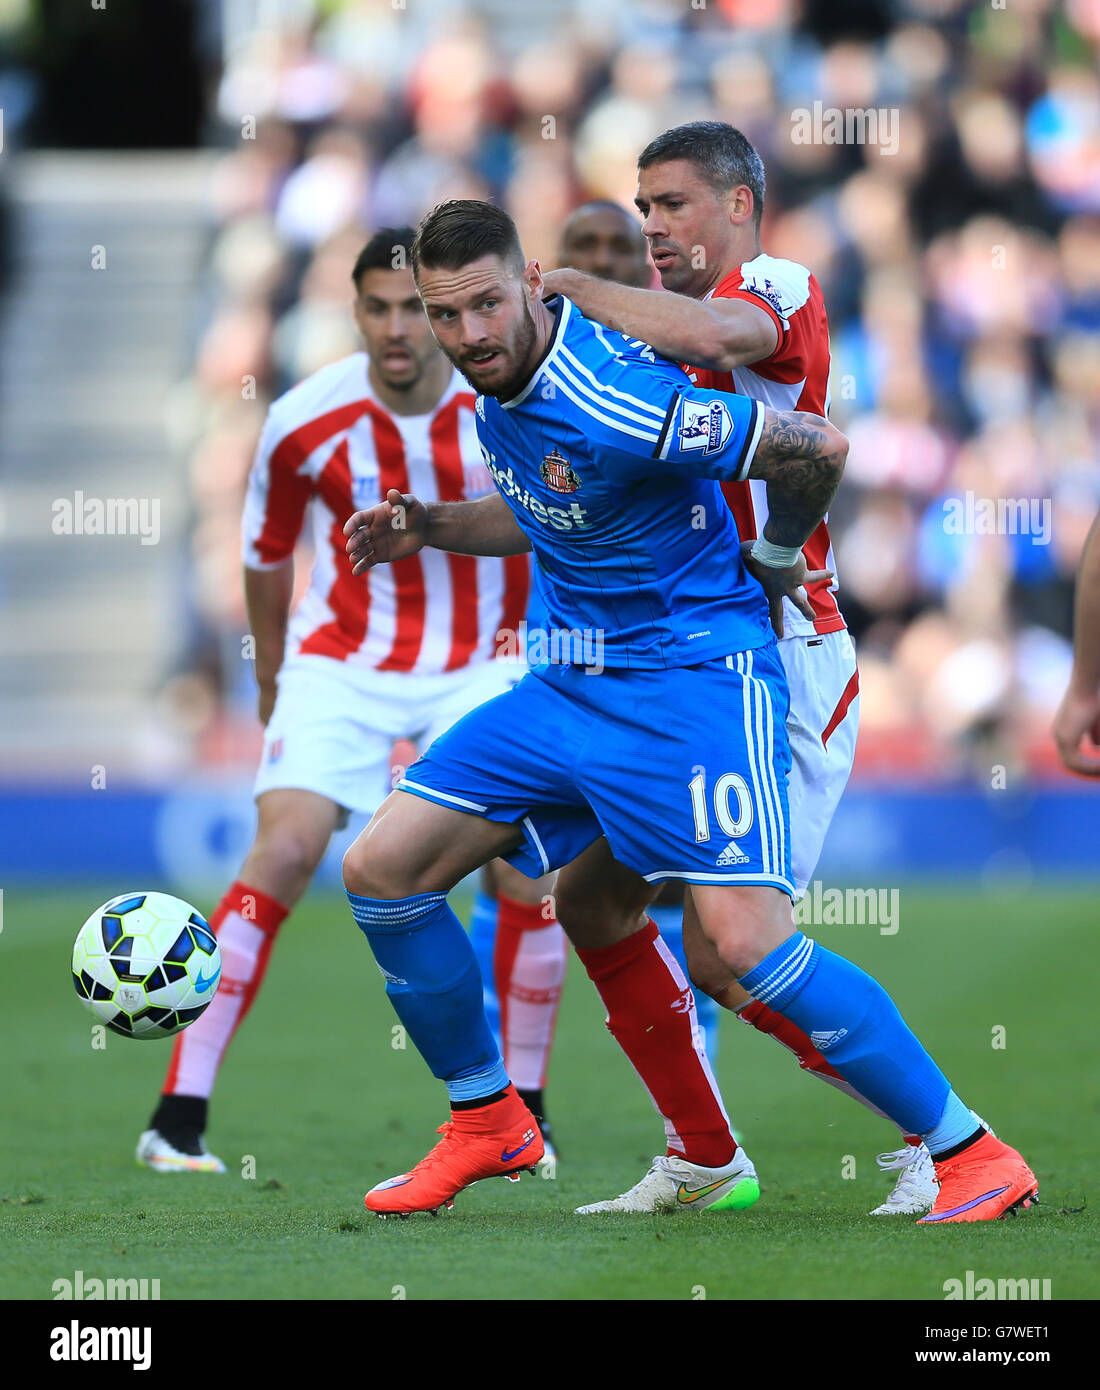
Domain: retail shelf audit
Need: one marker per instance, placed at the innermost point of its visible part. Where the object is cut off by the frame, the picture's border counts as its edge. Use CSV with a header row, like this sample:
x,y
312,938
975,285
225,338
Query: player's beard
x,y
520,350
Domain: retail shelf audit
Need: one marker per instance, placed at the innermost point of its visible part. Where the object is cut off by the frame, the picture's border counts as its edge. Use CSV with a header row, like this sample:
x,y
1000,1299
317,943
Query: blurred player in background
x,y
601,238
1078,716
752,324
364,661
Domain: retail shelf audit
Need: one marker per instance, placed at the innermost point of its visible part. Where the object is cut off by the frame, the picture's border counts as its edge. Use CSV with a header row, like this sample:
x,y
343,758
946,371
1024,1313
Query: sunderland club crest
x,y
557,474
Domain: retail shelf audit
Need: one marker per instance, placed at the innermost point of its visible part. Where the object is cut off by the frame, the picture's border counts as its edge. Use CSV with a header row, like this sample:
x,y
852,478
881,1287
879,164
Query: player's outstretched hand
x,y
386,532
1078,719
780,584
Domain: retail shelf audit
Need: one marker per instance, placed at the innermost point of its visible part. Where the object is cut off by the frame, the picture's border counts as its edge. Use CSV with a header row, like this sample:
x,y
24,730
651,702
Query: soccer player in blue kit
x,y
607,461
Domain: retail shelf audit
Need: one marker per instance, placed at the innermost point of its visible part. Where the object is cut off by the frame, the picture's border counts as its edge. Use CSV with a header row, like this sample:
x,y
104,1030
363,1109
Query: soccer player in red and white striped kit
x,y
758,327
363,661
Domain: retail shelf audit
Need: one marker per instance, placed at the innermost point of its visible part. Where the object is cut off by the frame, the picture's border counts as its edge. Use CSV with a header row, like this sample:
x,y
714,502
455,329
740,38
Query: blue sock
x,y
483,935
670,923
435,986
955,1124
855,1024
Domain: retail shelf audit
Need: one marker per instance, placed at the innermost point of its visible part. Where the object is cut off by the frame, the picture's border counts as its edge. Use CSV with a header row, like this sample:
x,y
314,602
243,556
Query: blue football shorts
x,y
683,769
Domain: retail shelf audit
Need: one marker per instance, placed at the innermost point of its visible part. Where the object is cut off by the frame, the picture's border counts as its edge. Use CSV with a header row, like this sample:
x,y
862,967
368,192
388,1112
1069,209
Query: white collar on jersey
x,y
548,356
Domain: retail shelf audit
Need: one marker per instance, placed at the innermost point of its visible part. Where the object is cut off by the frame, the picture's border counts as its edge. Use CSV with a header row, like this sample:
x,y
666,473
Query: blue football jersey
x,y
611,461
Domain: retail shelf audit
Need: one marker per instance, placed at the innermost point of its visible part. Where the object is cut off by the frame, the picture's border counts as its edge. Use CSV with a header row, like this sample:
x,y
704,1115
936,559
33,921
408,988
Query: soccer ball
x,y
146,964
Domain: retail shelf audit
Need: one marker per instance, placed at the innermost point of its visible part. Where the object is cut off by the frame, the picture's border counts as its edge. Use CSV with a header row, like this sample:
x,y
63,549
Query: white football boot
x,y
675,1185
154,1151
916,1189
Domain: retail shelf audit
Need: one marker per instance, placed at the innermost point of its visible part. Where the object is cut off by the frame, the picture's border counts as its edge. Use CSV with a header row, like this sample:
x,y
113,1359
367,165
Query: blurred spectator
x,y
960,263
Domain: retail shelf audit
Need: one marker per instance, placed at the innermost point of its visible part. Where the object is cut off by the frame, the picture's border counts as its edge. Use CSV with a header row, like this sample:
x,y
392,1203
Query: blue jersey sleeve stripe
x,y
649,436
601,398
661,450
752,439
603,389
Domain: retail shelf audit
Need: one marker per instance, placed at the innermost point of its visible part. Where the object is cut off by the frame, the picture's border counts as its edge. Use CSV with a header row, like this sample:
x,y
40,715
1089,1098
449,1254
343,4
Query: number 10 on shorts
x,y
729,784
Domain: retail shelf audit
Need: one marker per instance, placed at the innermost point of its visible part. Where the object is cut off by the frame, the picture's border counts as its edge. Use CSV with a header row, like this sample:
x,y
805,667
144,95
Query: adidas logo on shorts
x,y
732,854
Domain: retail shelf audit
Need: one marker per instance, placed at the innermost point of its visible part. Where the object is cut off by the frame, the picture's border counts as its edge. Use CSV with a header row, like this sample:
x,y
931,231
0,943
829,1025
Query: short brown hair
x,y
463,230
721,153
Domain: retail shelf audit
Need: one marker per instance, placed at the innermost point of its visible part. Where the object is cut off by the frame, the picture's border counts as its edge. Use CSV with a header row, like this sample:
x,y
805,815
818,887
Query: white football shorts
x,y
333,726
821,726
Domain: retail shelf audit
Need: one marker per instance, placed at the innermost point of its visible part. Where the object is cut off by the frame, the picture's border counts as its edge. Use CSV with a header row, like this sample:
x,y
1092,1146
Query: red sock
x,y
245,923
651,1015
766,1020
528,969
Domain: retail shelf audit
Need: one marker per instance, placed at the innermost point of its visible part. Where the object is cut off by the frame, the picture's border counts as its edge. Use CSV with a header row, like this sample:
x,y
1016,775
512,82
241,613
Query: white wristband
x,y
780,557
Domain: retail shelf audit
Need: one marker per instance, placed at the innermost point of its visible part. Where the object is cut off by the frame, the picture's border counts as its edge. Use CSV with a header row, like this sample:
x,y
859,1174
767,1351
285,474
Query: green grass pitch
x,y
321,1102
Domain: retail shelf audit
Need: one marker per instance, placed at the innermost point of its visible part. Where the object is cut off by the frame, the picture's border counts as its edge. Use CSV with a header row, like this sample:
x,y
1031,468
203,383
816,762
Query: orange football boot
x,y
498,1140
985,1181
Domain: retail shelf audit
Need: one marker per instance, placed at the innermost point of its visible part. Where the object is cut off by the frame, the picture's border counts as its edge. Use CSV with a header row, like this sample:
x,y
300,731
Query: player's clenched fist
x,y
386,532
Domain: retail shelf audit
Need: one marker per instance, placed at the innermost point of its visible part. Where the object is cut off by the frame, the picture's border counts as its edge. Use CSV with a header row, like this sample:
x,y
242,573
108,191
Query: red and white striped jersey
x,y
330,448
794,377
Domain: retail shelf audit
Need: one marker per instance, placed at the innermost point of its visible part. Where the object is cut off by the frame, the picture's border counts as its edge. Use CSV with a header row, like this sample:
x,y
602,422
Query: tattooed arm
x,y
801,457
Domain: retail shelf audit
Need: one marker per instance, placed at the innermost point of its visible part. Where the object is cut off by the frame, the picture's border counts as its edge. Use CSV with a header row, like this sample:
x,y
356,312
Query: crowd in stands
x,y
959,255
